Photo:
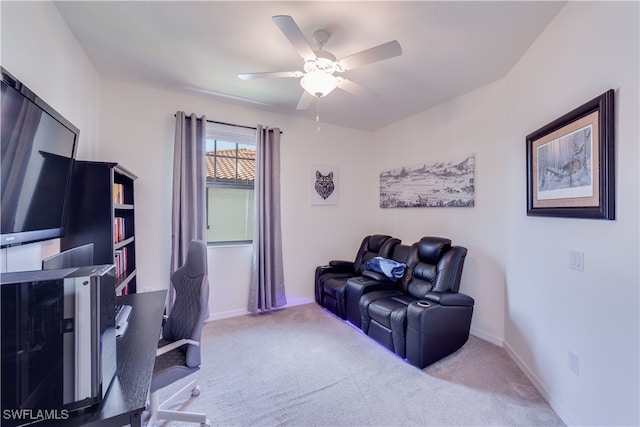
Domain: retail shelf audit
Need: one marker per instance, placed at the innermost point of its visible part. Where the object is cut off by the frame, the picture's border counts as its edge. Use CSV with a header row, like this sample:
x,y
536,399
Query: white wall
x,y
38,48
137,129
589,47
517,265
520,262
472,124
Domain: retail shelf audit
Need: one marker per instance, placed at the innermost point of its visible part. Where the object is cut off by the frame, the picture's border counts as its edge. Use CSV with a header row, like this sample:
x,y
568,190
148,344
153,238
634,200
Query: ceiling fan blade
x,y
251,76
374,54
305,101
292,32
356,88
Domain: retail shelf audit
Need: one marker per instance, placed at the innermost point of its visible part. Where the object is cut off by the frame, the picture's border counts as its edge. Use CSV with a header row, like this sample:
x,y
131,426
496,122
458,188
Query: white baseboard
x,y
487,337
227,314
244,312
299,301
537,383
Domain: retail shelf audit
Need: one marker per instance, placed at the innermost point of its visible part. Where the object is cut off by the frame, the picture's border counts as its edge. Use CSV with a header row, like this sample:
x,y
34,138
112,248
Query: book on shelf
x,y
120,261
116,262
118,229
118,194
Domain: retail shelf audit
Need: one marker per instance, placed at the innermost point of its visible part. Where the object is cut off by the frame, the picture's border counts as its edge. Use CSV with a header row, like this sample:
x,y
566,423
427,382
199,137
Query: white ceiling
x,y
449,48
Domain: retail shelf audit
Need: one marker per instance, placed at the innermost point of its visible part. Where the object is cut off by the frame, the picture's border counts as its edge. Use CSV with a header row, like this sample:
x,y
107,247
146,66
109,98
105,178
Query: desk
x,y
127,396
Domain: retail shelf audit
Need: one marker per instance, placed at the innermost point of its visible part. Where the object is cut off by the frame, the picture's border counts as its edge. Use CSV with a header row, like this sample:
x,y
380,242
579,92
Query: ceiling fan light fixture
x,y
319,83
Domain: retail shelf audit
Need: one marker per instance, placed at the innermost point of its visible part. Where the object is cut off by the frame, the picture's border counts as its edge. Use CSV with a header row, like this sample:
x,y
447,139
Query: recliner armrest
x,y
379,277
450,299
342,265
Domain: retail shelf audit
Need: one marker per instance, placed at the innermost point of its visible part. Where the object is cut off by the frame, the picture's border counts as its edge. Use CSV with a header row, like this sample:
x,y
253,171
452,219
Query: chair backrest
x,y
192,295
400,253
433,265
372,246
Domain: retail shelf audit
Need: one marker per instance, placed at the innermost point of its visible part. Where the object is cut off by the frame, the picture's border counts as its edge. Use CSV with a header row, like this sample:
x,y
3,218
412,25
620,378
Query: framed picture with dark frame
x,y
570,163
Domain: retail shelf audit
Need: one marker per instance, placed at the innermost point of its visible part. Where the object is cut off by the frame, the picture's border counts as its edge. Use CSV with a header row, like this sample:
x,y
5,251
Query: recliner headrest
x,y
376,241
388,247
430,249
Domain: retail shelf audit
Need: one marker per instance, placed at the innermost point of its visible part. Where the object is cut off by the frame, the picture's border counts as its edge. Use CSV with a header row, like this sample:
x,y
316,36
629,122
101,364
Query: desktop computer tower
x,y
58,342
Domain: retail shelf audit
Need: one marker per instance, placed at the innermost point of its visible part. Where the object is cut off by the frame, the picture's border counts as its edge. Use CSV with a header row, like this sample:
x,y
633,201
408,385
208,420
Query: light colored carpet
x,y
301,366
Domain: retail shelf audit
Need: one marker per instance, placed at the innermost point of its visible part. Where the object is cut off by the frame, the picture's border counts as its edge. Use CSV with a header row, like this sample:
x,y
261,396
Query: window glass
x,y
229,214
230,166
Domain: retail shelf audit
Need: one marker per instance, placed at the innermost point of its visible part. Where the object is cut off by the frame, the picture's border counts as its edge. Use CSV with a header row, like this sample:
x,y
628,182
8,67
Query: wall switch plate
x,y
576,260
574,363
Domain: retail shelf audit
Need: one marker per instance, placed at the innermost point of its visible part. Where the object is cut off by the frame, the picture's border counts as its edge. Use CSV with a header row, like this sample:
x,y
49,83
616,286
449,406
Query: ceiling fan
x,y
321,68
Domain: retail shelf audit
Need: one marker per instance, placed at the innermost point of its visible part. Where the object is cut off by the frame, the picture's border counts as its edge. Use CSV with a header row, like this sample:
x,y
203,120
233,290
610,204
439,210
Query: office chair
x,y
178,352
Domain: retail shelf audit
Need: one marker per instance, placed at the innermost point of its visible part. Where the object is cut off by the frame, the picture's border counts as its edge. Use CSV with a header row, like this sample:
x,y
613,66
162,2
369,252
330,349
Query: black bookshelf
x,y
101,211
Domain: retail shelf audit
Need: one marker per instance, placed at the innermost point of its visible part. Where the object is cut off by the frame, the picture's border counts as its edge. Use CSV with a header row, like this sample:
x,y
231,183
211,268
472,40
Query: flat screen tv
x,y
38,150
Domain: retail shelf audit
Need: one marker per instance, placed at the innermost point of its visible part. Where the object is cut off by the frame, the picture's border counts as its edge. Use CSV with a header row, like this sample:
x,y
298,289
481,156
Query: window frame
x,y
228,134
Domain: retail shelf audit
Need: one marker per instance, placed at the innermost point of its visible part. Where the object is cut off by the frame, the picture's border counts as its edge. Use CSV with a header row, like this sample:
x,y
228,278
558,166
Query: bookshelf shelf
x,y
102,212
123,282
124,243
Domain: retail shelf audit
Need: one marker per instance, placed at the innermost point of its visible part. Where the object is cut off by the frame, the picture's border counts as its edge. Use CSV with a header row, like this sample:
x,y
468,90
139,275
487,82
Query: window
x,y
230,166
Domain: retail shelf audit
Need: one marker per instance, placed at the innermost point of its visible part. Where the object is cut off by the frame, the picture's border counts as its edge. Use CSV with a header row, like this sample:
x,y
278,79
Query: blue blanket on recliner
x,y
390,268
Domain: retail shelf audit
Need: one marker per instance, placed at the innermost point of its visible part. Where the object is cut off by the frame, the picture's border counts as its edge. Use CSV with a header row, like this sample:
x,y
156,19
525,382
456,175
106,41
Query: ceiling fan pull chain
x,y
318,112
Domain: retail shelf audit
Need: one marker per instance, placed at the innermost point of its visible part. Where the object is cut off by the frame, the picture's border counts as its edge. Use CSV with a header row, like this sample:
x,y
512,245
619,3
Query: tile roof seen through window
x,y
224,165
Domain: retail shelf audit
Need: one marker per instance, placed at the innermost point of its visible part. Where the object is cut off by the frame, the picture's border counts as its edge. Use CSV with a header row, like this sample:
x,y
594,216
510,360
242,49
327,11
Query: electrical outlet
x,y
146,290
576,260
574,363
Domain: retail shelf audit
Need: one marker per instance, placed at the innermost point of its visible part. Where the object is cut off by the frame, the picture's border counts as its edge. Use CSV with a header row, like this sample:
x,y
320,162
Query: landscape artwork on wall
x,y
448,183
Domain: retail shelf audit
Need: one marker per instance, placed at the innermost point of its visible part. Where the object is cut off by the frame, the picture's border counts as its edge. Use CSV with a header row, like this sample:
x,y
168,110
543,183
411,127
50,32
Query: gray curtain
x,y
266,290
189,187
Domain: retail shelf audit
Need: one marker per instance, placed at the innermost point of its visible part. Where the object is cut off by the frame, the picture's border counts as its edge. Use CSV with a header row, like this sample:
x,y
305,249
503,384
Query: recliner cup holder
x,y
423,303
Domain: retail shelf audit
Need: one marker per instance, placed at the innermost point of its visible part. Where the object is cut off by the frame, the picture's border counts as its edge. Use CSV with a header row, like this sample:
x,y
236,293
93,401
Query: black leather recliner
x,y
331,280
424,318
371,281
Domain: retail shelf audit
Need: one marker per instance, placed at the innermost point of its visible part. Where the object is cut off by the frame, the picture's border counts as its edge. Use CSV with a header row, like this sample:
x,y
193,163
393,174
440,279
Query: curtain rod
x,y
233,124
230,124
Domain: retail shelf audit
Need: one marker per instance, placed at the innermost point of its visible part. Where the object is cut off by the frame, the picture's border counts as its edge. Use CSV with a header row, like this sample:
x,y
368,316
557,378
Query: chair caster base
x,y
196,391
